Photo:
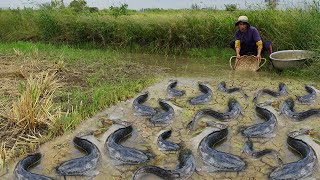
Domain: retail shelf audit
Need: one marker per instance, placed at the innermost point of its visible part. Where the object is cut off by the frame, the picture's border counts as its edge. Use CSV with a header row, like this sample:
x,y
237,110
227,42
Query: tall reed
x,y
163,30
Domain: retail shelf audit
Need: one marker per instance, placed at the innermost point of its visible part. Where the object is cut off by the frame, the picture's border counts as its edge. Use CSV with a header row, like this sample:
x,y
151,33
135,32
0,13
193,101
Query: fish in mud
x,y
310,97
83,166
248,149
185,168
302,168
217,160
121,154
141,109
264,129
21,170
206,95
233,111
166,145
171,89
282,89
222,87
287,108
165,117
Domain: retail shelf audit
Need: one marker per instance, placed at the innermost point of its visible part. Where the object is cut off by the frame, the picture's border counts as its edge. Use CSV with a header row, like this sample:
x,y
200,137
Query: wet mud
x,y
144,136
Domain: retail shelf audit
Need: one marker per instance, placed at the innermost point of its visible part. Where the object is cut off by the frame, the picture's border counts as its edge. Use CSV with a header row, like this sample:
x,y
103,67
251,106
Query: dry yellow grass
x,y
2,155
21,127
34,107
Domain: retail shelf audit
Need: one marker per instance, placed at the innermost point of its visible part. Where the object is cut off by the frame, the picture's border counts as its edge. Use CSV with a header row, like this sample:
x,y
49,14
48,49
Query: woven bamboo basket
x,y
246,63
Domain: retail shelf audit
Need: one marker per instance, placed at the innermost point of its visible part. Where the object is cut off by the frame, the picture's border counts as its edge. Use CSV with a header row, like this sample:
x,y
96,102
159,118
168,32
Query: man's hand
x,y
238,57
258,57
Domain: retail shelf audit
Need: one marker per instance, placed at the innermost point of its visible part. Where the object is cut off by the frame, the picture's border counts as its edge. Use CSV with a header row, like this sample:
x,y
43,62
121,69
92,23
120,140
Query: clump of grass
x,y
34,107
30,116
3,154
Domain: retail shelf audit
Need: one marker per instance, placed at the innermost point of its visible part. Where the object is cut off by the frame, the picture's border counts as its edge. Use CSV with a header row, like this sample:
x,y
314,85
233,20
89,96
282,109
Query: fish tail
x,y
241,129
181,144
233,90
261,153
190,125
244,95
150,169
150,154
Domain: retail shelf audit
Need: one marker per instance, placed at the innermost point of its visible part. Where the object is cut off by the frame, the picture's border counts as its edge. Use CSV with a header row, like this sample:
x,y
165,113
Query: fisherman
x,y
248,40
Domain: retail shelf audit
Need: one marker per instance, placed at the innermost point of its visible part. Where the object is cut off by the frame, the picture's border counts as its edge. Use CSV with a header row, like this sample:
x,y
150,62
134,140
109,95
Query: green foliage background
x,y
161,30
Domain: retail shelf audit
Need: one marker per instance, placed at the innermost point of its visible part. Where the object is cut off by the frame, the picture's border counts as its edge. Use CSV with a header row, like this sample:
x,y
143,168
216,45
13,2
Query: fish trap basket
x,y
247,63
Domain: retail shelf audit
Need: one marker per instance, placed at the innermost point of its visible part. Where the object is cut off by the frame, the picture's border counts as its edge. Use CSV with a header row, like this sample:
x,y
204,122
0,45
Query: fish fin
x,y
157,109
121,122
210,169
190,125
268,136
245,96
181,144
197,170
91,173
280,161
149,153
241,129
117,163
309,178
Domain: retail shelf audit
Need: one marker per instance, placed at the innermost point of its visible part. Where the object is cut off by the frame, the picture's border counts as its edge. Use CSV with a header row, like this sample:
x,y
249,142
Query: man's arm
x,y
237,46
258,40
259,45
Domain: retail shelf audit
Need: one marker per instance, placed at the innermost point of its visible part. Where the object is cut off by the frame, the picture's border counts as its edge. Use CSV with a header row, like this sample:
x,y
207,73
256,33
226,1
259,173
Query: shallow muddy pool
x,y
144,134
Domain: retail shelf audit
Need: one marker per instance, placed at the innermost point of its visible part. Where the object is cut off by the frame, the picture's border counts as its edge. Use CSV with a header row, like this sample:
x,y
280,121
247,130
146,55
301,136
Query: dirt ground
x,y
144,135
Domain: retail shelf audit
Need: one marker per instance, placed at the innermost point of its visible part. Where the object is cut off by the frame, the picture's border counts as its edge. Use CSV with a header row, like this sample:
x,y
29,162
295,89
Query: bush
x,y
48,25
165,30
231,7
54,4
118,11
78,5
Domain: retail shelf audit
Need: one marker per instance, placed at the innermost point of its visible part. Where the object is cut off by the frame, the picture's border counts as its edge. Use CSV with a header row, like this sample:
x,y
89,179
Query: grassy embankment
x,y
171,31
94,79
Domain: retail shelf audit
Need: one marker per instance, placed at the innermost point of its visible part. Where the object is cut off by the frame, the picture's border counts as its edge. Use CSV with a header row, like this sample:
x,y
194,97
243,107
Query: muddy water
x,y
145,135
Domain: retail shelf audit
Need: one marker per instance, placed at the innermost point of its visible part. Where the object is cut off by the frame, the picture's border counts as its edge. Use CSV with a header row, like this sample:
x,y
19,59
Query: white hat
x,y
242,19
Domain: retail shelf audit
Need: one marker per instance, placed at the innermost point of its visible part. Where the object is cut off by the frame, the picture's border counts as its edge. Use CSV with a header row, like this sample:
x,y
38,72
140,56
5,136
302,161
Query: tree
x,y
78,5
195,6
53,4
272,4
118,11
230,7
